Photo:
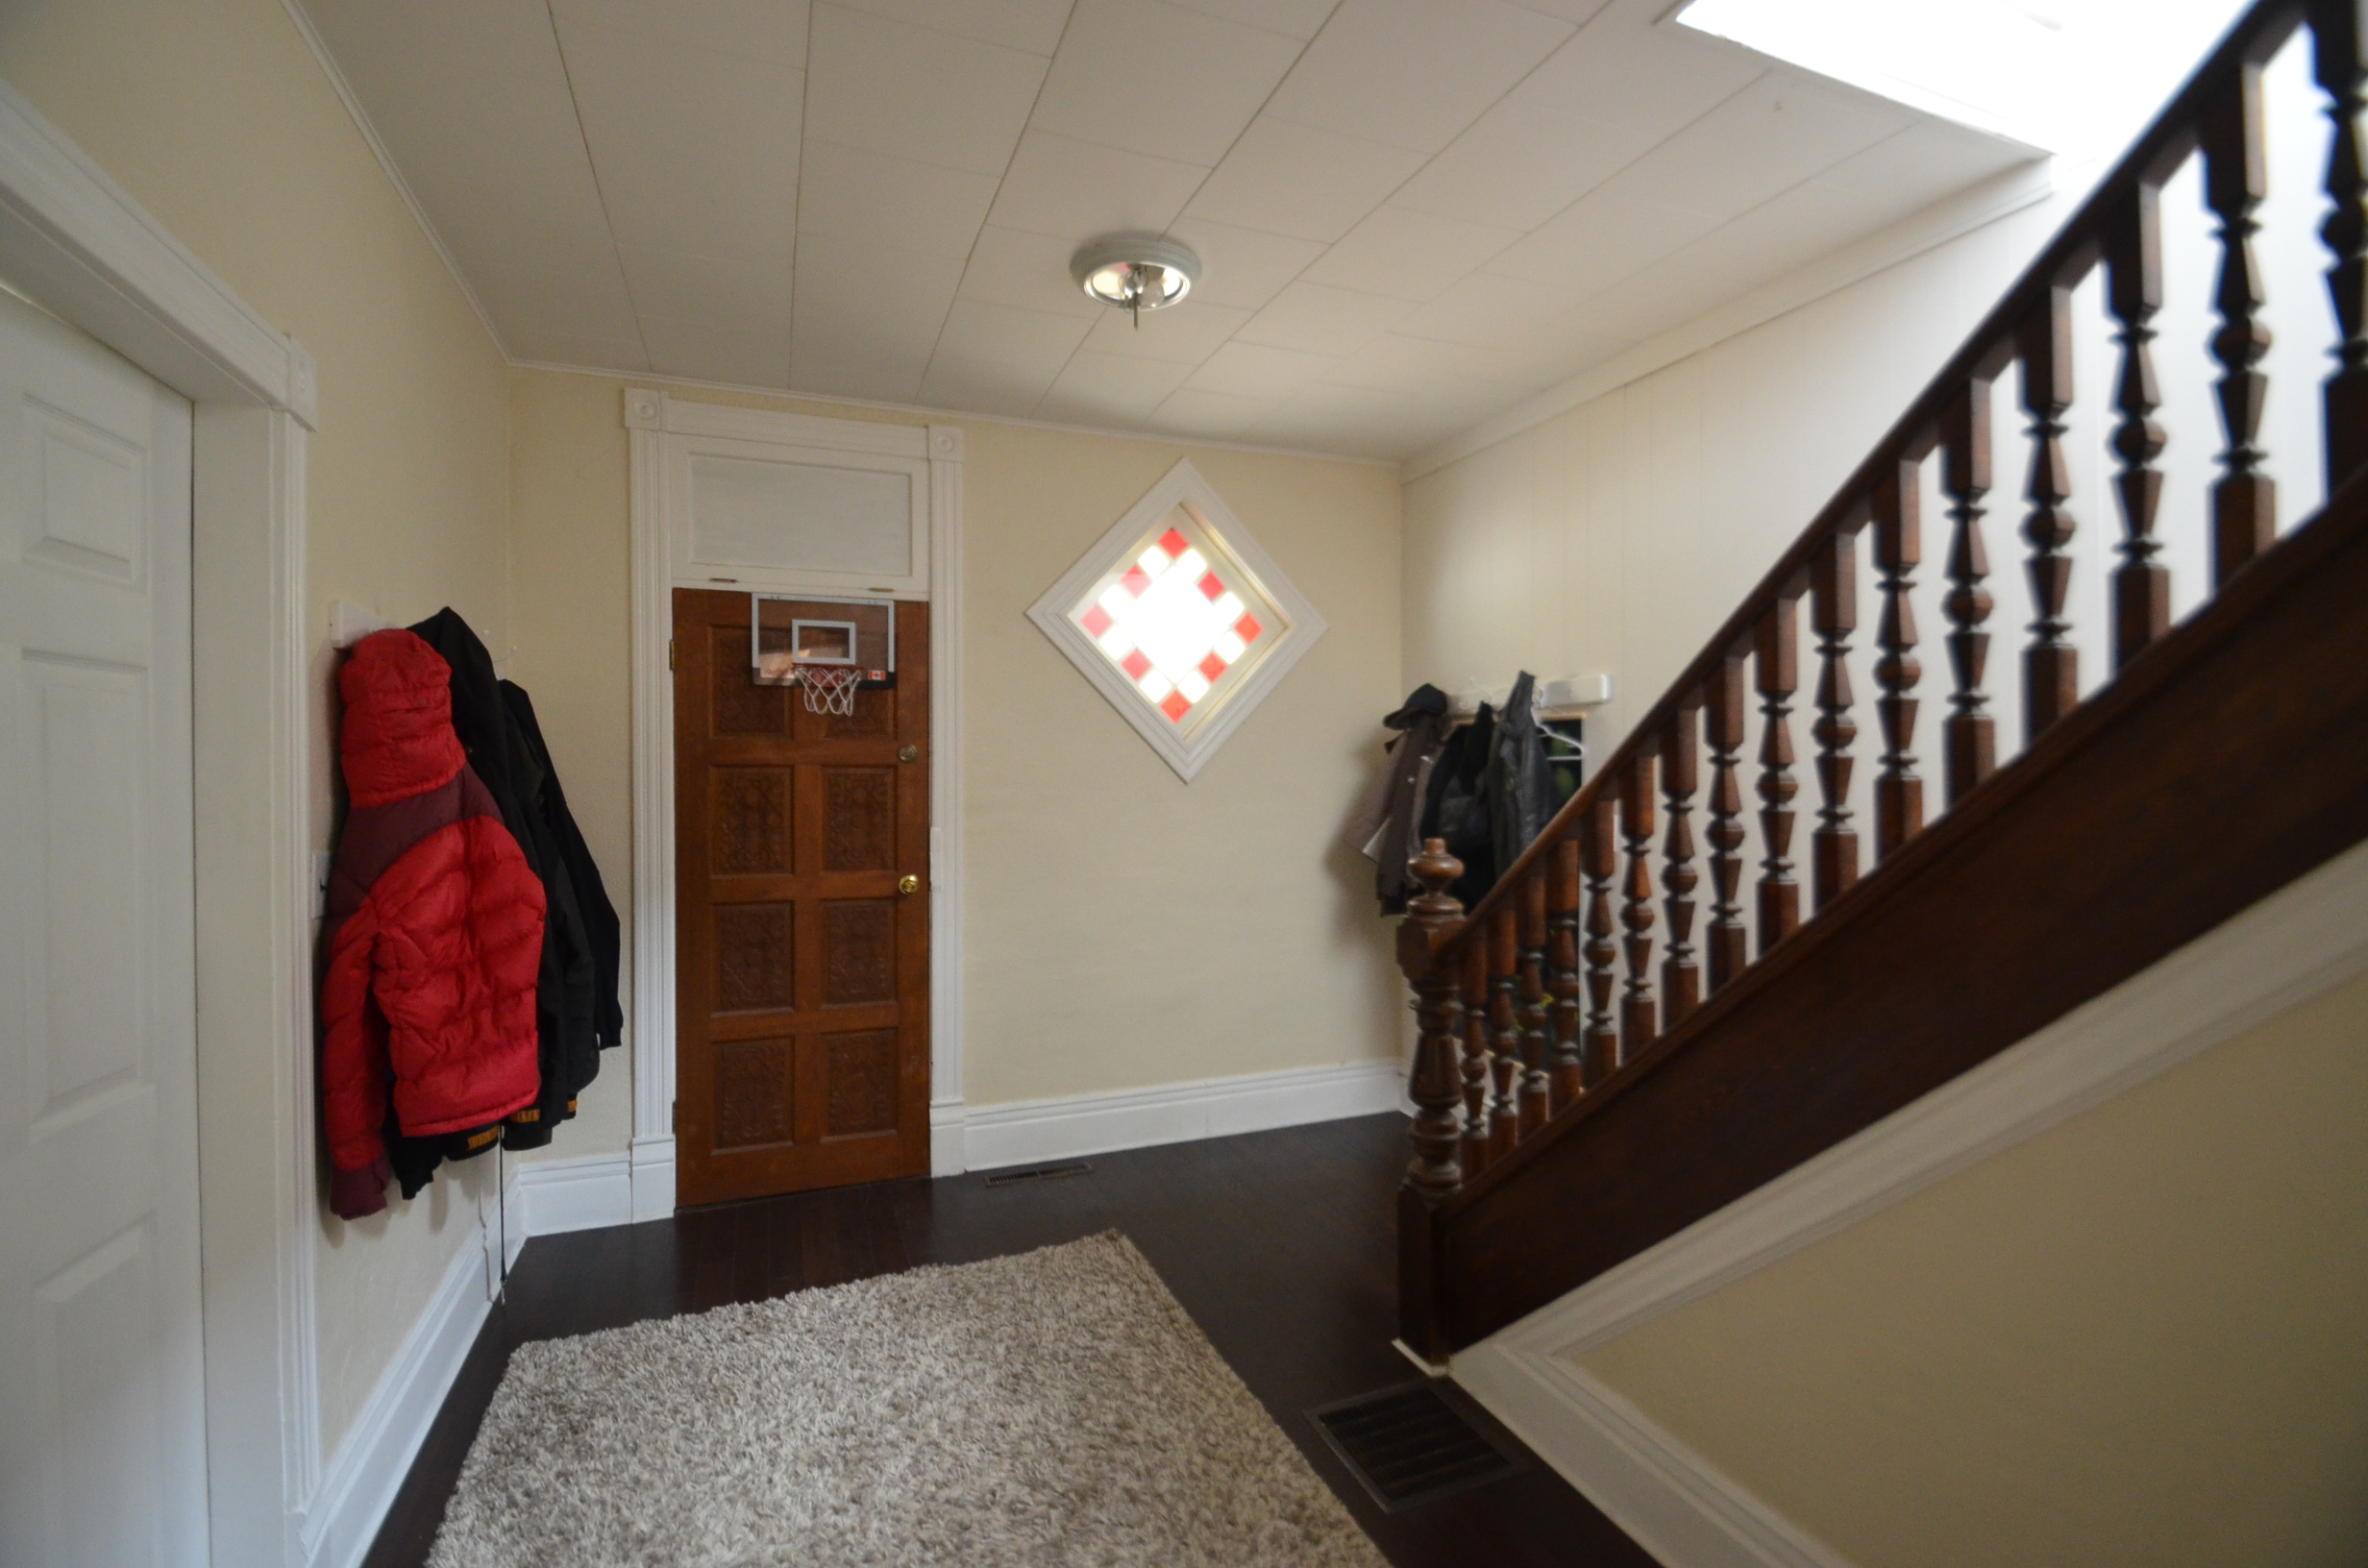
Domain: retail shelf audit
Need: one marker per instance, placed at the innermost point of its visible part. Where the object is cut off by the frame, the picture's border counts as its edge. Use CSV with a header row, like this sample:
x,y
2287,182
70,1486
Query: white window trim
x,y
1303,625
82,249
663,429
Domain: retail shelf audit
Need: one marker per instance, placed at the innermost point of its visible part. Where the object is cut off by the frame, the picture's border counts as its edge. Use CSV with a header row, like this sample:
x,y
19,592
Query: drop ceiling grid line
x,y
574,107
797,206
346,95
939,341
1195,192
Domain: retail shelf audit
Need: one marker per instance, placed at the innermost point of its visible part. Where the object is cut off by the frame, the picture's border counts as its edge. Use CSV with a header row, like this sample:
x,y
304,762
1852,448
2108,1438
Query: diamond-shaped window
x,y
1180,619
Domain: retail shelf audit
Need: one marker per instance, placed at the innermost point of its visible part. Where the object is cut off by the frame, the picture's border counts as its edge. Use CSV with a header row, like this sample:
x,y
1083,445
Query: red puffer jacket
x,y
436,930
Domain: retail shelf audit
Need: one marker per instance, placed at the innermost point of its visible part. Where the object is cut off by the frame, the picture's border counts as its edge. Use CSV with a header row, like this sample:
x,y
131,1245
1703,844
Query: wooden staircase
x,y
1573,1113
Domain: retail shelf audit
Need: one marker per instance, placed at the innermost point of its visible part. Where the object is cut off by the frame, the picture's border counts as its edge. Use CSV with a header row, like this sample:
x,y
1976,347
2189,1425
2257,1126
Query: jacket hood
x,y
397,738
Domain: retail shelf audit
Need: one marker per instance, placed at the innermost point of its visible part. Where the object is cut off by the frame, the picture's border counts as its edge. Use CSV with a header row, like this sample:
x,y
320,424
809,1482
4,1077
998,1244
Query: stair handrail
x,y
1501,1057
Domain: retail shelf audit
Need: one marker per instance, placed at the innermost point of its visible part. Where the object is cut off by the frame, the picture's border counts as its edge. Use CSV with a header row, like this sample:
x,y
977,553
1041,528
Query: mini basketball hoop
x,y
829,687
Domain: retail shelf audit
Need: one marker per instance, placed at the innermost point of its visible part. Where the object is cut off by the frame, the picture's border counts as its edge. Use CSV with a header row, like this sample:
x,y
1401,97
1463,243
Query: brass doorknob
x,y
909,753
909,885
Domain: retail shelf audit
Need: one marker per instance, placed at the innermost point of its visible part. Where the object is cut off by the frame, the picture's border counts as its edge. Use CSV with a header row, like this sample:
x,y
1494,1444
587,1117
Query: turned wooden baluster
x,y
1681,976
1722,708
1637,1012
1972,737
1566,1070
1899,548
1479,1084
1504,1033
2133,293
1599,847
1535,1039
2051,663
2339,38
2244,503
1834,612
1434,1171
1777,669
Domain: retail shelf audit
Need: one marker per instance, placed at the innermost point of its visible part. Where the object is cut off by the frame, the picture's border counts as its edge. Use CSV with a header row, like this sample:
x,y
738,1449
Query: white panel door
x,y
102,1422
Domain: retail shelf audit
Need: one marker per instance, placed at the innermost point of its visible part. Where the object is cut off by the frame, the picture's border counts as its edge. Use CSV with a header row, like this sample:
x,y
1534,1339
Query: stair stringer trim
x,y
2304,939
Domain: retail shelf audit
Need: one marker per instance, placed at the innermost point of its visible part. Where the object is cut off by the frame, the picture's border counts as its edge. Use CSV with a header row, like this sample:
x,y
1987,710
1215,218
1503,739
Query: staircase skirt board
x,y
2220,765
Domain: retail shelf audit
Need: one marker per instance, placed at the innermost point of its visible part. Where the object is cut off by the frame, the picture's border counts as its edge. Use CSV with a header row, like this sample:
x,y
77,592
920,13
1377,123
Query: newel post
x,y
1437,1086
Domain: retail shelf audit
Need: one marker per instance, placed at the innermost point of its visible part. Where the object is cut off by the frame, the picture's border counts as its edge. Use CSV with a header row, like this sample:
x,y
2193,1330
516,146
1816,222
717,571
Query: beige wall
x,y
2136,1338
216,118
1122,928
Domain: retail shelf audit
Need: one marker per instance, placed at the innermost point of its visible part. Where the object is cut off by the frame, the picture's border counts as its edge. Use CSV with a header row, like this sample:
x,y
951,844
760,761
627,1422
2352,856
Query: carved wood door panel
x,y
802,983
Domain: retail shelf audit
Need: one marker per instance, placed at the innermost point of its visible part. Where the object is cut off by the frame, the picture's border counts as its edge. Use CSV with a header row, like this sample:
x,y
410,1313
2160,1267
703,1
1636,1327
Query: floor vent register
x,y
1409,1446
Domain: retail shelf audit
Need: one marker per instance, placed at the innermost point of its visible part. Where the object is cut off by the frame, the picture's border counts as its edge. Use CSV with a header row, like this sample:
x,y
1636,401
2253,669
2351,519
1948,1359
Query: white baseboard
x,y
361,1479
2300,940
554,1196
1666,1497
946,1157
654,1178
1025,1131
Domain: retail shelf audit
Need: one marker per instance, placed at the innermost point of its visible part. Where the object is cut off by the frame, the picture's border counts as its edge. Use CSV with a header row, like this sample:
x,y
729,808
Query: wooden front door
x,y
802,918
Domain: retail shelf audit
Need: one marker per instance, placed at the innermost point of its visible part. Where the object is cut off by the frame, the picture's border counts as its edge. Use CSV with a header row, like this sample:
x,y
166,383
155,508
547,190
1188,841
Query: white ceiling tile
x,y
1153,78
586,300
1413,73
1487,309
825,372
915,92
1033,340
570,348
1292,18
1409,256
894,203
1320,319
1928,159
1032,25
1599,240
418,42
1254,370
1770,137
1242,267
1214,416
1521,164
1011,266
1297,179
1574,11
1620,69
739,354
702,291
985,386
696,151
1186,335
1076,190
1110,388
1394,364
866,316
766,30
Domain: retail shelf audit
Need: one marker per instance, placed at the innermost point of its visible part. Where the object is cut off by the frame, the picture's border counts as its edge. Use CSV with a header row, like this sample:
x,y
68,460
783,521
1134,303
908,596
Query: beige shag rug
x,y
1054,1407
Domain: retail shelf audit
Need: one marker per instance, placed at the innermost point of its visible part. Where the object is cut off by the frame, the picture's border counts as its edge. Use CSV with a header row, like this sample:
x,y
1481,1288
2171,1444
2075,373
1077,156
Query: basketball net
x,y
829,687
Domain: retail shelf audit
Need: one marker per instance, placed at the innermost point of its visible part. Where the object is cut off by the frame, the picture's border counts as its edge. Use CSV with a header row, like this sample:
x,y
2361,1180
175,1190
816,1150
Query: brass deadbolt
x,y
909,753
909,885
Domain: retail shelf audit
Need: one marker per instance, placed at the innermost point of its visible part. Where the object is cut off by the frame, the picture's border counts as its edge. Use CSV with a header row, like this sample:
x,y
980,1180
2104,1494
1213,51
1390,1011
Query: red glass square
x,y
1174,543
1096,622
1174,706
1247,629
1136,580
1212,666
1135,664
1213,589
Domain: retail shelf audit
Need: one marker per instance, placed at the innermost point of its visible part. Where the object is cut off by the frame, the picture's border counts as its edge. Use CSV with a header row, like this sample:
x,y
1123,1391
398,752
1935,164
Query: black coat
x,y
576,994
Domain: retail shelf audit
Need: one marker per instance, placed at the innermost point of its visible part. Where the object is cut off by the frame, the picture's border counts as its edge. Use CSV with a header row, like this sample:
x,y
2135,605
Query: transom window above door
x,y
1179,619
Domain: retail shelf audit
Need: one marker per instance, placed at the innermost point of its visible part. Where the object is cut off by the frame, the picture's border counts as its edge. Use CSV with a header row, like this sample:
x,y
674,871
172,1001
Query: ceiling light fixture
x,y
1135,273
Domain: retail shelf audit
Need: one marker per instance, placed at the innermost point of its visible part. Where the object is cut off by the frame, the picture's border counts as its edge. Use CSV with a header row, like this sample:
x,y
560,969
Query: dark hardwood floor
x,y
1279,1244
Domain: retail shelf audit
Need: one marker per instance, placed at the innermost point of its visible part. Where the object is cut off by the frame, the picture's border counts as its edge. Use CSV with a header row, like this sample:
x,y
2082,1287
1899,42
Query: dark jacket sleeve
x,y
600,926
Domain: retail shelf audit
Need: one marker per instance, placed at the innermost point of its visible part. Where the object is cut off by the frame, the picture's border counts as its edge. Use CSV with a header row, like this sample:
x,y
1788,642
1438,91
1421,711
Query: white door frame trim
x,y
651,415
76,244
